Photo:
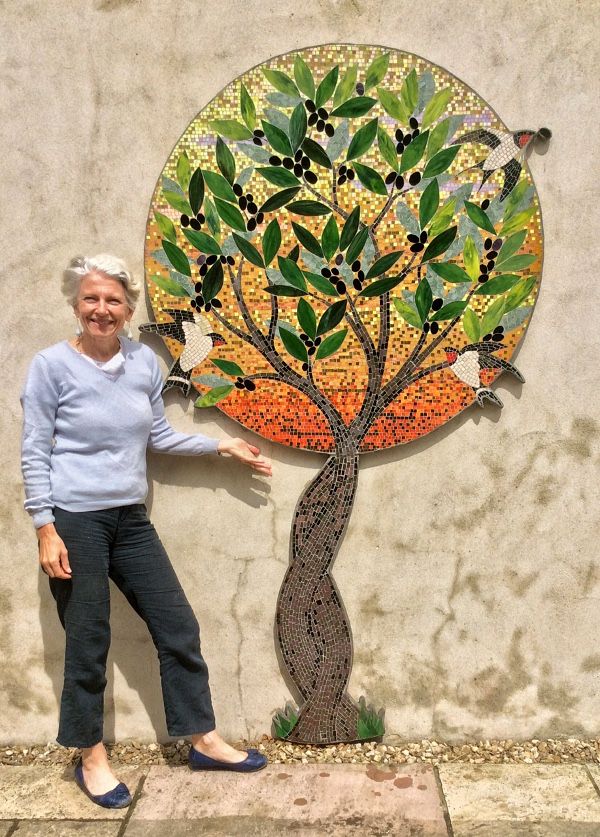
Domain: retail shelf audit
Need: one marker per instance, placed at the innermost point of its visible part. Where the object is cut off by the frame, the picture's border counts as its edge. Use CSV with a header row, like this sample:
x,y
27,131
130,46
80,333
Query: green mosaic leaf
x,y
414,152
519,262
515,198
376,70
320,283
228,367
510,246
370,179
277,139
307,239
166,227
392,105
518,221
498,284
279,199
294,345
183,171
307,318
249,250
281,81
471,258
196,191
478,216
442,218
179,203
346,86
331,344
219,186
225,161
519,293
213,396
291,272
383,264
382,286
436,106
304,77
316,153
423,299
448,312
471,325
231,215
440,161
247,108
410,91
284,290
350,228
170,286
202,242
308,208
326,87
177,258
230,128
493,315
297,127
428,204
212,218
330,238
213,281
357,106
387,147
279,176
450,272
331,317
439,244
437,138
357,244
271,241
362,140
407,312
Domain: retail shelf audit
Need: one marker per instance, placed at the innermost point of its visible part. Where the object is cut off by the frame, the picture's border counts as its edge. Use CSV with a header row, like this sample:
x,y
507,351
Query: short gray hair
x,y
110,266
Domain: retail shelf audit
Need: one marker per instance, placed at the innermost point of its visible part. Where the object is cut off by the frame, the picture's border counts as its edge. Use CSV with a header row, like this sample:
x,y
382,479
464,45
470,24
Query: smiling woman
x,y
92,406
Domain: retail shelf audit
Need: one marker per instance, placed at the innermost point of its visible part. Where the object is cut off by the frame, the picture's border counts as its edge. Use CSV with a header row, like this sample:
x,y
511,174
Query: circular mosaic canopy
x,y
345,235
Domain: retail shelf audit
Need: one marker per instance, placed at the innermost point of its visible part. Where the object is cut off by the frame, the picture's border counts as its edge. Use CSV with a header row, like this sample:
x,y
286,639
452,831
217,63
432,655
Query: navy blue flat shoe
x,y
118,797
254,761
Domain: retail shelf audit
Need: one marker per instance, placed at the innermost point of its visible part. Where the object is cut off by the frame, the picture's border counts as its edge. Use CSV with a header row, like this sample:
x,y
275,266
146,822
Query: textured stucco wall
x,y
470,568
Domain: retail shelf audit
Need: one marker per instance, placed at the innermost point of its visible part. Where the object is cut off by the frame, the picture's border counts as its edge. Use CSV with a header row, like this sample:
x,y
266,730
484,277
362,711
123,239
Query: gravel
x,y
393,751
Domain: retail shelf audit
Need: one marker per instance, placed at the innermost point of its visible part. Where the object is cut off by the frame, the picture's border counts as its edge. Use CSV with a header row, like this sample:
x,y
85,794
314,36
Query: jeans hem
x,y
79,746
189,733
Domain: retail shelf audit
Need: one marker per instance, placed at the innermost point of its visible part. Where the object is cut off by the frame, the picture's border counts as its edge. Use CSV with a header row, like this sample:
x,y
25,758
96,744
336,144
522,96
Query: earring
x,y
78,329
129,331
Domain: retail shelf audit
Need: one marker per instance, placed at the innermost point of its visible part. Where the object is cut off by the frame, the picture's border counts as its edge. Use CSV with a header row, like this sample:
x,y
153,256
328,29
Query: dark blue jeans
x,y
121,544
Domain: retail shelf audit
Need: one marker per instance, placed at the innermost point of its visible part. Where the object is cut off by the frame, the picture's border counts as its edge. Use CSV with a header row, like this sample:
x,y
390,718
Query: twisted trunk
x,y
312,625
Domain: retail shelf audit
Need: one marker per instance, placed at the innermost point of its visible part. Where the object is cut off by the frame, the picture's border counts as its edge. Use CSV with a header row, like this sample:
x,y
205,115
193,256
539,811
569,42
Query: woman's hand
x,y
247,454
54,558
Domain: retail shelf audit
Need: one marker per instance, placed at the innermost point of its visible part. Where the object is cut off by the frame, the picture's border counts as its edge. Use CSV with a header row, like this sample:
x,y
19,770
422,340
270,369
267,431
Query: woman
x,y
92,405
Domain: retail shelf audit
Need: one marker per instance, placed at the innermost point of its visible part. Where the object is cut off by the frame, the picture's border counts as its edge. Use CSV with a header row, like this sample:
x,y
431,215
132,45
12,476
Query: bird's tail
x,y
148,327
484,392
177,379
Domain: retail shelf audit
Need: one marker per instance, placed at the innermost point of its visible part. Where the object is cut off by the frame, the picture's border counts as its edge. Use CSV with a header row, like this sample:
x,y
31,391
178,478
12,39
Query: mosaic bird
x,y
508,151
193,331
466,364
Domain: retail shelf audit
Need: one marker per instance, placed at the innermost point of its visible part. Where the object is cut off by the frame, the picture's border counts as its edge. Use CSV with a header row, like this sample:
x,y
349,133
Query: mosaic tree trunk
x,y
346,237
312,625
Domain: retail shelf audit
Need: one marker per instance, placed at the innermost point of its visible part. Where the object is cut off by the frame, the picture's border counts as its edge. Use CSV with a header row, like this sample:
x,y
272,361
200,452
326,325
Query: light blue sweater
x,y
85,432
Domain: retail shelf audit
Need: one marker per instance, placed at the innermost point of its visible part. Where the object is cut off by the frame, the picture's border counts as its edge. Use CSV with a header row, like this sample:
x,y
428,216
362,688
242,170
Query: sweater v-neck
x,y
90,361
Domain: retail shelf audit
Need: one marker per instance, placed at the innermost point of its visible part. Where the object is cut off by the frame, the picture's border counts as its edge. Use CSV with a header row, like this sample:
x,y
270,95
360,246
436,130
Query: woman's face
x,y
101,306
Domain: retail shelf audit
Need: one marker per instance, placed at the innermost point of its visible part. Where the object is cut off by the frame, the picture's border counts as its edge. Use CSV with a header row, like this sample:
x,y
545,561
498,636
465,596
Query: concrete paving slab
x,y
595,774
5,826
50,793
501,796
309,798
38,828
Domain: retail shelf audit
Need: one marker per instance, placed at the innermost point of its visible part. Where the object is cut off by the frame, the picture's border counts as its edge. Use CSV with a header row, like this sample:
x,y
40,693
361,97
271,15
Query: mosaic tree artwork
x,y
343,252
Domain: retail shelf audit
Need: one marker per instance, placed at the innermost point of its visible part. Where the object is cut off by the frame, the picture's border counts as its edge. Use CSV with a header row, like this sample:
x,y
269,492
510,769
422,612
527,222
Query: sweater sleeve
x,y
162,436
40,402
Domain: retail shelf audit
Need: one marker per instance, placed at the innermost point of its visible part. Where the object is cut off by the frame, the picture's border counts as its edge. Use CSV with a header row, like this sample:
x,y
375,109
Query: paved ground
x,y
313,800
